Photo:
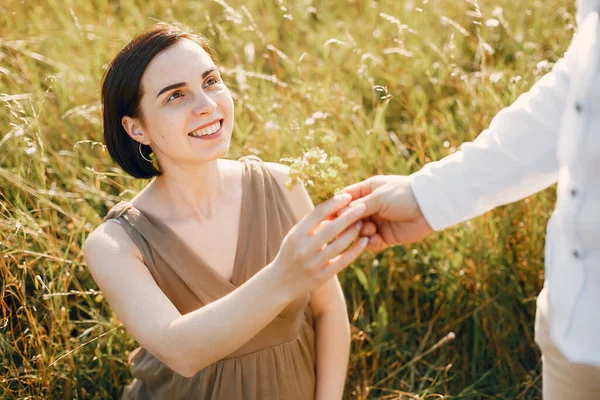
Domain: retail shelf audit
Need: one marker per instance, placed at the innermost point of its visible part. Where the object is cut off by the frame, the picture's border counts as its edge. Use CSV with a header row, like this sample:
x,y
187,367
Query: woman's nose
x,y
204,104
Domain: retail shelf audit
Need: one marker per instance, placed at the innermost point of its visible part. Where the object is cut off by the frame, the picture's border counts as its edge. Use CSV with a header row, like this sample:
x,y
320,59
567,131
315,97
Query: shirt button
x,y
574,192
576,254
578,107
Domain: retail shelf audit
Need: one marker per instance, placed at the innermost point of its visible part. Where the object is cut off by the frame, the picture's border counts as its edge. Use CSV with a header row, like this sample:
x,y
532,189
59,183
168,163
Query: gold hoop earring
x,y
142,154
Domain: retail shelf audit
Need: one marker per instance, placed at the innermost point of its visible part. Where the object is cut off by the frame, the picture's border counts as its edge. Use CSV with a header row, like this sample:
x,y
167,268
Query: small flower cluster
x,y
316,169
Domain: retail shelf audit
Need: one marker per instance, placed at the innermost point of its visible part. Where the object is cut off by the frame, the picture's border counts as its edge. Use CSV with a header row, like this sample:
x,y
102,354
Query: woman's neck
x,y
189,192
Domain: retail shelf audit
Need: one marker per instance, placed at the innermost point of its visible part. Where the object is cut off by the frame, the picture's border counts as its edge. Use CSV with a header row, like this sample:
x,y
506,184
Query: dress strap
x,y
118,210
121,214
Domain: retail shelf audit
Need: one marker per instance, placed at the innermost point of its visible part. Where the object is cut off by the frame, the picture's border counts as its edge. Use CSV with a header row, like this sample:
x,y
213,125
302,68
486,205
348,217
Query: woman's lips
x,y
211,136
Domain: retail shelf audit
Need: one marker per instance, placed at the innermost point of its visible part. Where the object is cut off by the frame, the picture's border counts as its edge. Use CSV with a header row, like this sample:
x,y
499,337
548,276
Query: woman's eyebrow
x,y
173,86
208,71
180,84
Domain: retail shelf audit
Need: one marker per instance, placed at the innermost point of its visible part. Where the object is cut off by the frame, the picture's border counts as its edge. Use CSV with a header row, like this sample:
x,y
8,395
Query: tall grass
x,y
357,88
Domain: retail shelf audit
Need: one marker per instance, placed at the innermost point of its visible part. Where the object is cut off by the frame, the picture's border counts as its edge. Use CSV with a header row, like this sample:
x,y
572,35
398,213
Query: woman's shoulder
x,y
280,172
296,195
109,239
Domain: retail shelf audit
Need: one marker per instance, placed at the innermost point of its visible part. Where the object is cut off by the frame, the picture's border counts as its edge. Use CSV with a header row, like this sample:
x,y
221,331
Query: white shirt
x,y
550,134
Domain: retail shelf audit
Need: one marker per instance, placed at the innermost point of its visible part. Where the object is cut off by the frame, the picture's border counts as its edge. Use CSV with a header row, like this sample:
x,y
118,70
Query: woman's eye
x,y
174,96
210,81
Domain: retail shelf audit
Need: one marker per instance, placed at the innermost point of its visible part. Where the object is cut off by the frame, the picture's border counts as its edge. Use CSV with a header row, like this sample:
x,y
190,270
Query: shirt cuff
x,y
430,195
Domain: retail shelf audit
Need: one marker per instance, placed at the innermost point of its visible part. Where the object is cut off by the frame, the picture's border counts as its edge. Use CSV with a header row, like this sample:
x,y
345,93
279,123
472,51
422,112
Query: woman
x,y
206,266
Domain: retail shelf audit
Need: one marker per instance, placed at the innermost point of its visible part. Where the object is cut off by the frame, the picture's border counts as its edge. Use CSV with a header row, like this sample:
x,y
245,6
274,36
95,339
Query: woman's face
x,y
186,109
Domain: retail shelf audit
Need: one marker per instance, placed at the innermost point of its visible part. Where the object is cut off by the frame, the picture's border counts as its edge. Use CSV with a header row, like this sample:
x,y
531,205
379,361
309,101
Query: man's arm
x,y
513,158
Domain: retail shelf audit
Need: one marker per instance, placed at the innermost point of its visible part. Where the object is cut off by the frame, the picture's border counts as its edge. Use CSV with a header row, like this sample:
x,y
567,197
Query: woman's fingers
x,y
322,212
340,262
334,248
320,226
337,226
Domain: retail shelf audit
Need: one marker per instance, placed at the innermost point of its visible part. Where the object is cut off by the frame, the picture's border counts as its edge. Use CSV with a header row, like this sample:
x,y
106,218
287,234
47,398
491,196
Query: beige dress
x,y
279,362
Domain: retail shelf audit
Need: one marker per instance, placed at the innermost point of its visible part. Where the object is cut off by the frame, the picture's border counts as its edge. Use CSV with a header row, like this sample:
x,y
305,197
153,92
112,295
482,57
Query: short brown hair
x,y
122,91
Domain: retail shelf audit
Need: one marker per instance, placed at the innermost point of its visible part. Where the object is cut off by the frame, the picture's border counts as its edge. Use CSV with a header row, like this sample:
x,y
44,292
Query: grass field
x,y
376,86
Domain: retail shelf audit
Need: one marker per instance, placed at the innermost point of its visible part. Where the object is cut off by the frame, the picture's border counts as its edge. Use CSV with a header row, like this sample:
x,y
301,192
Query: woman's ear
x,y
134,129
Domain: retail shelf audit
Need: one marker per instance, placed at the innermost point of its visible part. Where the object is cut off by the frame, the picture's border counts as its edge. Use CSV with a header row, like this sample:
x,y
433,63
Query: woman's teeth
x,y
209,130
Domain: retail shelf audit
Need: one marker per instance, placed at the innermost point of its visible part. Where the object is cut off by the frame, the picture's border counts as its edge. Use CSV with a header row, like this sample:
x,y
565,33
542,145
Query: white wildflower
x,y
496,76
249,52
498,12
492,23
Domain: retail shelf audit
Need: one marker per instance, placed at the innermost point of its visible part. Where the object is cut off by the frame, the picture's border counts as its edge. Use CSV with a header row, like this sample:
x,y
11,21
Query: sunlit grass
x,y
357,88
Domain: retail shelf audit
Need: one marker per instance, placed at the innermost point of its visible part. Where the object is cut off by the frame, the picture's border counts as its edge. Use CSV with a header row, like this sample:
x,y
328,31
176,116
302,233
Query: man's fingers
x,y
323,211
369,228
376,243
358,190
371,201
340,262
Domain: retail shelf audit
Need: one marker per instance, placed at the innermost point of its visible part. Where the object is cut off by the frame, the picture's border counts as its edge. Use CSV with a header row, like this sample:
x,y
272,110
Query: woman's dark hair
x,y
122,91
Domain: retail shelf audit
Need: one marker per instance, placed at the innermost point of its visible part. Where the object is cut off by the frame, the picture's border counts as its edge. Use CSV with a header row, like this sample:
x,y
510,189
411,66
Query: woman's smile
x,y
210,132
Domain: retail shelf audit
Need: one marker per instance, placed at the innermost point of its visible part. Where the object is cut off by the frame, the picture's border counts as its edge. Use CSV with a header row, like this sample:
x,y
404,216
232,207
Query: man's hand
x,y
393,215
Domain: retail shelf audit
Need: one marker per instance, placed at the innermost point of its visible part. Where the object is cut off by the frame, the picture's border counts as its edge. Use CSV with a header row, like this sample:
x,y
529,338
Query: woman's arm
x,y
187,343
332,327
333,339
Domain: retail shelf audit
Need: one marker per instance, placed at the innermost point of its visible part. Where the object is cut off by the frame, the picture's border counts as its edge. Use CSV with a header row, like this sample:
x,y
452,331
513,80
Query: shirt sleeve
x,y
513,158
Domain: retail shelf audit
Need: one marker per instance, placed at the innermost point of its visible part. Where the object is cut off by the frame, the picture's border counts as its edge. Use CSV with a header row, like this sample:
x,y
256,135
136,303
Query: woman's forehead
x,y
181,62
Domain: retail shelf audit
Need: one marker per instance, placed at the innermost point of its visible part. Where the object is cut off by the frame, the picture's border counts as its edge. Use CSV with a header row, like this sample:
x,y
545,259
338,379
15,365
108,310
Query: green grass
x,y
399,83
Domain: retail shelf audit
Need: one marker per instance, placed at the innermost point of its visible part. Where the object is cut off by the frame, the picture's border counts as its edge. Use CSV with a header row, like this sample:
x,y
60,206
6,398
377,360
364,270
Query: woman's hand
x,y
313,252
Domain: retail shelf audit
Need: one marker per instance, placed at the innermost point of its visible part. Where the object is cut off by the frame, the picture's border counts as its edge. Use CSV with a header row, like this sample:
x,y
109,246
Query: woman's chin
x,y
210,149
215,153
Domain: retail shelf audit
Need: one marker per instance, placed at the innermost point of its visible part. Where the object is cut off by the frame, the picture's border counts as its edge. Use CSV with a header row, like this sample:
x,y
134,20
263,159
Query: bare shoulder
x,y
298,197
280,172
107,241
